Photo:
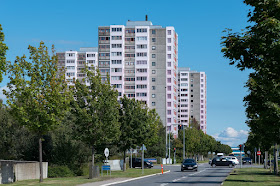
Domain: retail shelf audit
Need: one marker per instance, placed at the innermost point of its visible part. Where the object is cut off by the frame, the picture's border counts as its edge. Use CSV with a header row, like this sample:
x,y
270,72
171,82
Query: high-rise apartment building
x,y
142,61
74,62
192,97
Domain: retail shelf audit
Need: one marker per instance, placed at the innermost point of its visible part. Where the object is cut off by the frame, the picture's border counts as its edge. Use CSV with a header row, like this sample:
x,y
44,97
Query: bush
x,y
59,171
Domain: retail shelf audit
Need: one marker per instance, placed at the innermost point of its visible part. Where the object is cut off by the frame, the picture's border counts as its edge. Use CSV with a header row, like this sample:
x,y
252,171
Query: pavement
x,y
205,175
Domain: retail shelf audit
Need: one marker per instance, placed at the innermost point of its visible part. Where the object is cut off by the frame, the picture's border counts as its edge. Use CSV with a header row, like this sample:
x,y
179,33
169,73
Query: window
x,y
103,63
142,54
129,87
120,94
168,48
129,63
141,86
168,120
116,37
129,79
143,94
201,111
116,45
142,62
141,30
70,55
191,100
201,90
153,95
116,77
129,31
168,56
129,47
90,61
90,55
168,40
169,64
201,80
169,88
184,79
116,70
141,46
142,38
168,96
104,46
153,47
104,38
153,63
168,112
201,96
141,70
129,71
153,71
117,85
129,55
201,106
104,54
191,95
116,29
153,39
191,85
201,75
169,104
153,87
70,74
153,31
131,95
116,62
201,85
201,101
116,54
130,39
168,32
153,56
143,78
153,79
169,72
70,61
153,103
184,74
168,80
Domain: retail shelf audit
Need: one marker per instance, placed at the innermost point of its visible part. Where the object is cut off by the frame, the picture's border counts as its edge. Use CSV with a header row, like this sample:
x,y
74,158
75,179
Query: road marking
x,y
176,180
134,178
163,184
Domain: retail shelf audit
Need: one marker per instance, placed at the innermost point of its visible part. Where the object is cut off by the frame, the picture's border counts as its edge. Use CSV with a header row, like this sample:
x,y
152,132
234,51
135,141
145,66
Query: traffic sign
x,y
144,147
259,153
106,152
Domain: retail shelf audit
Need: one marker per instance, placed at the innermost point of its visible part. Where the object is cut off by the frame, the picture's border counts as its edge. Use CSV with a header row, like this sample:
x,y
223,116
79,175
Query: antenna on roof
x,y
146,17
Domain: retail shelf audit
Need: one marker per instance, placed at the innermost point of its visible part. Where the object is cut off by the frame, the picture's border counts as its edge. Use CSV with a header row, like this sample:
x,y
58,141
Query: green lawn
x,y
130,173
252,176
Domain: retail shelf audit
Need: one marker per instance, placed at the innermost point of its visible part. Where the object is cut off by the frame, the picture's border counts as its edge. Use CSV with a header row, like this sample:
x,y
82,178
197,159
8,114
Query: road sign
x,y
106,152
259,153
144,147
248,152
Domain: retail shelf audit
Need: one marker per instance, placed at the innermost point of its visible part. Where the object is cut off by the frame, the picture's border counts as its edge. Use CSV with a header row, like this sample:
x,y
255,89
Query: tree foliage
x,y
37,93
257,48
3,49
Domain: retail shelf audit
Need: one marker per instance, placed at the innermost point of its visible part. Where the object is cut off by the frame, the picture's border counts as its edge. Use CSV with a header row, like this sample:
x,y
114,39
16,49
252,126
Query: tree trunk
x,y
124,163
91,176
276,159
41,159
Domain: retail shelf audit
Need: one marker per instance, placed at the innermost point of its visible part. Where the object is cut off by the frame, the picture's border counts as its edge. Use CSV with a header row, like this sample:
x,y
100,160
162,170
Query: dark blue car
x,y
189,164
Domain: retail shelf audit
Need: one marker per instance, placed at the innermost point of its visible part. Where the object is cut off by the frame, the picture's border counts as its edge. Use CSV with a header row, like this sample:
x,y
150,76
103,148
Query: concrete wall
x,y
26,171
11,171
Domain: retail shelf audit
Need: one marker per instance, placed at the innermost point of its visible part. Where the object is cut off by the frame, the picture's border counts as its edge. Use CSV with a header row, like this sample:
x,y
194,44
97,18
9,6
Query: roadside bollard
x,y
161,169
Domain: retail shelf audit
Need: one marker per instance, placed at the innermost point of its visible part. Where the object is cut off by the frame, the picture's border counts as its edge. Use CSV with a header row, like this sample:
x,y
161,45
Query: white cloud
x,y
231,137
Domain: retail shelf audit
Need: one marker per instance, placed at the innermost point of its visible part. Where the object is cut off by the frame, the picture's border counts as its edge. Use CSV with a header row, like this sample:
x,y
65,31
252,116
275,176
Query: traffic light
x,y
174,149
240,147
179,127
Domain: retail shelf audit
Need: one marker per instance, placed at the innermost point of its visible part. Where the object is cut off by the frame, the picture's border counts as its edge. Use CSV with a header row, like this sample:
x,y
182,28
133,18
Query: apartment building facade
x,y
142,61
192,97
74,63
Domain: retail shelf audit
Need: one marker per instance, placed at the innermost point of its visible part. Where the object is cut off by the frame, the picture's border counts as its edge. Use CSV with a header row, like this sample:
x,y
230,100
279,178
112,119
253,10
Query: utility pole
x,y
184,145
169,150
259,157
166,155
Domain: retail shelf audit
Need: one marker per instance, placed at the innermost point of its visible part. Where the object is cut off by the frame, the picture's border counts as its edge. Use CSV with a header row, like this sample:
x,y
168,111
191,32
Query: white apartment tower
x,y
142,61
74,62
192,97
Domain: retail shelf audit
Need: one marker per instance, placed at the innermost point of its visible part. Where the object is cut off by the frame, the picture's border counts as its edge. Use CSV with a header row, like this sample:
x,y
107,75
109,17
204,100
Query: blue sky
x,y
73,24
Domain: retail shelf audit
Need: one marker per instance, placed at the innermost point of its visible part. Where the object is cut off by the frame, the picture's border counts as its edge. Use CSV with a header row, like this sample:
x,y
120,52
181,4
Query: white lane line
x,y
176,180
137,178
163,184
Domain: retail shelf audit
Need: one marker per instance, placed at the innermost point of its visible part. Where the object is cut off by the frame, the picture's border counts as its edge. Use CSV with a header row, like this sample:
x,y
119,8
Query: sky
x,y
72,24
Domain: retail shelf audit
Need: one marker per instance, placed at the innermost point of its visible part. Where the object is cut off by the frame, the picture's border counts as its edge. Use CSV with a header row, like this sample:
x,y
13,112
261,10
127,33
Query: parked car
x,y
222,161
234,159
189,164
137,162
246,160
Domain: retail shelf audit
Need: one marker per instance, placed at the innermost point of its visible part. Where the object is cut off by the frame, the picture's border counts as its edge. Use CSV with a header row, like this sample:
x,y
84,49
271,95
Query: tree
x,y
37,94
139,125
257,48
3,49
95,108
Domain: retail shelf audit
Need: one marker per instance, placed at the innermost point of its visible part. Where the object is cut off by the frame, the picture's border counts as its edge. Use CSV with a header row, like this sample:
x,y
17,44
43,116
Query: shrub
x,y
59,171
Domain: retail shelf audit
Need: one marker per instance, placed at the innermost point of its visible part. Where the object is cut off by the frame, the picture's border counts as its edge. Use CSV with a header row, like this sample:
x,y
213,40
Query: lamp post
x,y
184,146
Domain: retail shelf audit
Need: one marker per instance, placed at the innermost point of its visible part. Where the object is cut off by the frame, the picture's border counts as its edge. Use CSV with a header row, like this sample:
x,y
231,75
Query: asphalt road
x,y
204,176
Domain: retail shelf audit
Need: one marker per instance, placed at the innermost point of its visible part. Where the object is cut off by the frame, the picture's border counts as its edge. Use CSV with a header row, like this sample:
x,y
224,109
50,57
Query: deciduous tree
x,y
3,49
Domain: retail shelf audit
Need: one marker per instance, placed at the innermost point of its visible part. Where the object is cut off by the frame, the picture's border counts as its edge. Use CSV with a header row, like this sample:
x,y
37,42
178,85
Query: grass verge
x,y
69,181
252,176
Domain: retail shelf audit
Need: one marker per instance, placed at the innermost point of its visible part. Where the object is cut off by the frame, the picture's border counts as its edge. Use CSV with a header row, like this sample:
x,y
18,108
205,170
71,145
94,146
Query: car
x,y
189,164
137,162
234,159
246,160
220,154
222,161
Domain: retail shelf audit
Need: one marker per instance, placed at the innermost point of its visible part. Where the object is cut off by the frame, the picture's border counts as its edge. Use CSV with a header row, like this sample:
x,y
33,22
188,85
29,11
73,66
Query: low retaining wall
x,y
11,171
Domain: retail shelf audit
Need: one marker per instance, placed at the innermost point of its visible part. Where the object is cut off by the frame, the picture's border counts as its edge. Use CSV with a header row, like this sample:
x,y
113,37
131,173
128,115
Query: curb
x,y
137,178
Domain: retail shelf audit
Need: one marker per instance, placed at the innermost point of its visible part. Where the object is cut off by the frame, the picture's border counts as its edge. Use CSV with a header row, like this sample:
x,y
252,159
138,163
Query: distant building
x,y
236,152
192,97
